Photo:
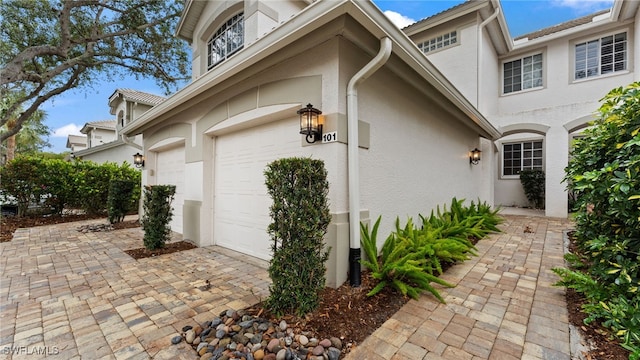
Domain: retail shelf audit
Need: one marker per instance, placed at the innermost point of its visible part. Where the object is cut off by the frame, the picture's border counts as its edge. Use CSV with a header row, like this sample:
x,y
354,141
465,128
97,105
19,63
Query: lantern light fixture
x,y
310,123
474,156
138,160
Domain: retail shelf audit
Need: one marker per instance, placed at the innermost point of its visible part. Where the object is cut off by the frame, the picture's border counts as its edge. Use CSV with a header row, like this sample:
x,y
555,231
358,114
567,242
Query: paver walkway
x,y
79,296
502,308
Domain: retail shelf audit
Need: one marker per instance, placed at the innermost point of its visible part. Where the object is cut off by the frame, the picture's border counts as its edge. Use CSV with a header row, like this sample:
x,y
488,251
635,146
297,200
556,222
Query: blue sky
x,y
67,113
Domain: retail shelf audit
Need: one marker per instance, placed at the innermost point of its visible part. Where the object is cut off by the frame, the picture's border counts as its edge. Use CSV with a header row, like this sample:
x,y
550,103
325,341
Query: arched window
x,y
226,41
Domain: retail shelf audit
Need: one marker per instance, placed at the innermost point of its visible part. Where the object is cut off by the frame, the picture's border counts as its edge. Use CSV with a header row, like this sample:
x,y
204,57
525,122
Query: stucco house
x,y
104,142
539,89
76,142
396,133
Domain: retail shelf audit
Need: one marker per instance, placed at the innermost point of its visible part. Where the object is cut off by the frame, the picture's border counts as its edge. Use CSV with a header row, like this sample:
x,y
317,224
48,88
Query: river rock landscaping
x,y
241,335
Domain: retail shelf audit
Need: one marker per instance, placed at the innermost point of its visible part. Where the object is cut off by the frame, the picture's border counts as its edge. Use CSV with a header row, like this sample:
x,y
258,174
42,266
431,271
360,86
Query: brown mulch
x,y
9,224
347,312
169,248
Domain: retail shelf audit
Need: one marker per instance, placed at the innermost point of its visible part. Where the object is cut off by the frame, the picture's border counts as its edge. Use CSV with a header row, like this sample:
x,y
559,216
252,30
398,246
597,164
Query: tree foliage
x,y
49,47
604,172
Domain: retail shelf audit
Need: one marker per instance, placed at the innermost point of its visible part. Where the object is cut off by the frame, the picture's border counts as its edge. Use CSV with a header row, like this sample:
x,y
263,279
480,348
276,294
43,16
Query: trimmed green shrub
x,y
300,217
604,173
533,183
58,185
412,257
157,215
92,183
119,202
21,183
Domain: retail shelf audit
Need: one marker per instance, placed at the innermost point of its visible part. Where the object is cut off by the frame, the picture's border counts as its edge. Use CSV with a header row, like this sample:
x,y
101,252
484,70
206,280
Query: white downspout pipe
x,y
353,157
479,54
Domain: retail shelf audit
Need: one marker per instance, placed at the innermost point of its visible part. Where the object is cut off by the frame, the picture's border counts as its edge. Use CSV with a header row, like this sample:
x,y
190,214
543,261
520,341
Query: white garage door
x,y
241,204
170,171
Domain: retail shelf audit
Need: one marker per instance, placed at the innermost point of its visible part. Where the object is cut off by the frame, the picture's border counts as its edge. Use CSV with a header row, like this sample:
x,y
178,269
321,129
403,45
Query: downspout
x,y
479,53
353,158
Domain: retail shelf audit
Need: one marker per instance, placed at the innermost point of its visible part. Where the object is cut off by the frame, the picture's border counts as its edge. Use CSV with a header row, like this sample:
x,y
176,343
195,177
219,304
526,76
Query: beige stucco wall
x,y
418,158
117,154
260,18
413,144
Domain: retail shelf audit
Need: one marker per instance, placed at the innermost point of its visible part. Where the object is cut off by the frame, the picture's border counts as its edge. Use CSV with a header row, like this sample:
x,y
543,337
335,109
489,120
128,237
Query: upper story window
x,y
524,73
439,42
601,56
521,156
226,41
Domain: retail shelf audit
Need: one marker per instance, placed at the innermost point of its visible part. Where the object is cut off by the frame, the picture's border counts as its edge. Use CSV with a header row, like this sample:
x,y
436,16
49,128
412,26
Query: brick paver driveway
x,y
71,295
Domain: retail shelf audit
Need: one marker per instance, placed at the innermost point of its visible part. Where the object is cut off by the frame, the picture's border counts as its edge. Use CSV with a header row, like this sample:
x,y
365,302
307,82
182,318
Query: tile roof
x,y
440,13
77,139
560,27
103,124
141,97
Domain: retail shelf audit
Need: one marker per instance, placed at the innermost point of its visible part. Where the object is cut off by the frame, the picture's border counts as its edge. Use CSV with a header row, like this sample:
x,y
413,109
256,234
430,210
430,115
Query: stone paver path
x,y
79,296
502,308
71,295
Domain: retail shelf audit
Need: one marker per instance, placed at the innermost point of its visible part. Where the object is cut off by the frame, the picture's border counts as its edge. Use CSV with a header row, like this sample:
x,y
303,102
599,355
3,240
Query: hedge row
x,y
58,185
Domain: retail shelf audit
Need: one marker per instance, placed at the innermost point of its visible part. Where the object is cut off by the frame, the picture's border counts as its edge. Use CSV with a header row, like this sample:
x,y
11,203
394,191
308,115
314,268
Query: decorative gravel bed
x,y
241,335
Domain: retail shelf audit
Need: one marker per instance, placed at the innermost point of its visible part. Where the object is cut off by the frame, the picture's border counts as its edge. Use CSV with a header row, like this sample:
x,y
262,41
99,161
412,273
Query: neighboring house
x,y
76,142
105,143
397,133
540,89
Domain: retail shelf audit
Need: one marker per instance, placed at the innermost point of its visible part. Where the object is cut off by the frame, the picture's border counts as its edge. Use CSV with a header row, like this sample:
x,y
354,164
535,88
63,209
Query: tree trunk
x,y
11,141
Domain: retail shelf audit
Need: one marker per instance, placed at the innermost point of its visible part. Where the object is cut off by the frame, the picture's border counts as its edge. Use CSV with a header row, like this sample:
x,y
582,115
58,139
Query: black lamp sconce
x,y
138,160
310,123
474,156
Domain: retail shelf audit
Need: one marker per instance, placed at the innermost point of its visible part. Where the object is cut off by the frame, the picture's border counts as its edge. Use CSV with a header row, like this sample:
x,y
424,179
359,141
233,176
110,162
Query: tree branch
x,y
25,115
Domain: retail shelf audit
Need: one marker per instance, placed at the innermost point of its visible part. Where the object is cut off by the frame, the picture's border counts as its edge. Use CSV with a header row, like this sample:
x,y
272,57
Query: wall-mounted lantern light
x,y
474,156
138,160
310,123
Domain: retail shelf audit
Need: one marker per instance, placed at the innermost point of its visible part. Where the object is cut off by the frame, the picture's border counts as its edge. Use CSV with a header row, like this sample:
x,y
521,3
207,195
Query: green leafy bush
x,y
300,217
533,183
58,185
157,215
120,200
92,183
403,264
604,173
21,182
411,258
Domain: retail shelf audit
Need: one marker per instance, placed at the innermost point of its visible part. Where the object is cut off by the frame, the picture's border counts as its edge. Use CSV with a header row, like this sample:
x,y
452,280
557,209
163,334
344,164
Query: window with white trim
x,y
520,156
523,73
226,41
439,42
601,56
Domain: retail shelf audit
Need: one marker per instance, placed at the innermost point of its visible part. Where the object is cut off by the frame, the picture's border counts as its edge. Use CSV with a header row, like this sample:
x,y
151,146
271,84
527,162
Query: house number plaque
x,y
330,137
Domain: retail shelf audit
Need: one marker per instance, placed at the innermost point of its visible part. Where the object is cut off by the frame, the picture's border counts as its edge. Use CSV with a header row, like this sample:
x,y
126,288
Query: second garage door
x,y
170,171
241,204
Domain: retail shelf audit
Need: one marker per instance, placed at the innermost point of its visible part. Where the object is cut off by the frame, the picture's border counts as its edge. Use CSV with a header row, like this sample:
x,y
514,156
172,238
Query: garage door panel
x,y
170,171
241,204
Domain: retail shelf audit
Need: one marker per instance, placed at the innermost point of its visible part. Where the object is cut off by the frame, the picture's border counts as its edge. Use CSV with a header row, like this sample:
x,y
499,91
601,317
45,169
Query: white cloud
x,y
69,129
584,6
398,19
